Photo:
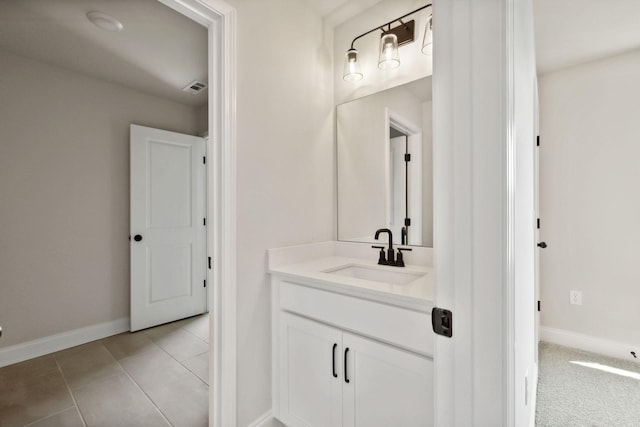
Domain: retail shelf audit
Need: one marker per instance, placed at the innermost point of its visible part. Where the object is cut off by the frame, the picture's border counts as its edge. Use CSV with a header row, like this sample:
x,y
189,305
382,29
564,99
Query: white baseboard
x,y
590,343
41,346
265,420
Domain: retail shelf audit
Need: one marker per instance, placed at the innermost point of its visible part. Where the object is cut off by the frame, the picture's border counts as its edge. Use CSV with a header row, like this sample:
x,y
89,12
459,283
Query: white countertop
x,y
417,295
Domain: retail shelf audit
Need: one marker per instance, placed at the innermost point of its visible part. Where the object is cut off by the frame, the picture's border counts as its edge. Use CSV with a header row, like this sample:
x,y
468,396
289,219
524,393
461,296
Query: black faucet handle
x,y
399,259
381,258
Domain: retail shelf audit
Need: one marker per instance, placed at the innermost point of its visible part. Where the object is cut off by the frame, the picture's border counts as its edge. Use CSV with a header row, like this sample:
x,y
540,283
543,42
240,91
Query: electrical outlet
x,y
575,297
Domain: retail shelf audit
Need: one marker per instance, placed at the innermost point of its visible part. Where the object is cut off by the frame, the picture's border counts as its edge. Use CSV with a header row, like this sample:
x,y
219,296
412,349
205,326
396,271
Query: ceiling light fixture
x,y
104,21
390,40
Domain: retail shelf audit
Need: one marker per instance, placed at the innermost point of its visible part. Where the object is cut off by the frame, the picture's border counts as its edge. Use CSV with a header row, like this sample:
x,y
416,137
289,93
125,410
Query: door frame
x,y
220,19
414,135
474,148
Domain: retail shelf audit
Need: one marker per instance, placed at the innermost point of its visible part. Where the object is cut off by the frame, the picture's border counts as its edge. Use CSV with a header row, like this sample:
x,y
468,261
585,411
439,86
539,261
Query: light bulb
x,y
352,71
389,57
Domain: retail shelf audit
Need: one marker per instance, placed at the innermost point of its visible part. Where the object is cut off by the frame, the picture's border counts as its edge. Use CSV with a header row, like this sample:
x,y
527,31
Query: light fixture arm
x,y
381,27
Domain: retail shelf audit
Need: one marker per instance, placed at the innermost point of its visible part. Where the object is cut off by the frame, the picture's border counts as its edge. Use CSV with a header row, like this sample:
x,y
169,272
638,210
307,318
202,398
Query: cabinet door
x,y
310,393
387,386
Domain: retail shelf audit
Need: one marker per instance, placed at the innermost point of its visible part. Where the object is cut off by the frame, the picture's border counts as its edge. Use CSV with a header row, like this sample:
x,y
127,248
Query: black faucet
x,y
390,258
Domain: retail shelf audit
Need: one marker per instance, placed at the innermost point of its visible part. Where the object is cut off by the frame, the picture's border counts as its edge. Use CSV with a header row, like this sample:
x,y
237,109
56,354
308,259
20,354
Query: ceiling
x,y
335,12
570,32
159,51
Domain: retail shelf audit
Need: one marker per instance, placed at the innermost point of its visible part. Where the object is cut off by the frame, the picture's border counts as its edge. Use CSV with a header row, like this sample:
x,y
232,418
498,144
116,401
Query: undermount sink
x,y
376,273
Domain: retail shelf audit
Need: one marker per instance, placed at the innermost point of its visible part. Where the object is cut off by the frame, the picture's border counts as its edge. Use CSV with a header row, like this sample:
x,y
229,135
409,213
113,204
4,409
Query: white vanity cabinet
x,y
310,394
344,360
387,386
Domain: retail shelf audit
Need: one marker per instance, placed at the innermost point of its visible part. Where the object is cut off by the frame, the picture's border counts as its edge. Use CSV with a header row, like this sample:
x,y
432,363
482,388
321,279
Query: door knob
x,y
137,237
542,245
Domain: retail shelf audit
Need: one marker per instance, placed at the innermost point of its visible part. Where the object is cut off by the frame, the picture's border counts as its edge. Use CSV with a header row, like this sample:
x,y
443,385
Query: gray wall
x,y
590,197
64,195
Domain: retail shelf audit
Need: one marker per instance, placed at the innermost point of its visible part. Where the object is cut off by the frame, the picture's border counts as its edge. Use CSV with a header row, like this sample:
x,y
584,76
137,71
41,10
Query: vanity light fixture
x,y
390,40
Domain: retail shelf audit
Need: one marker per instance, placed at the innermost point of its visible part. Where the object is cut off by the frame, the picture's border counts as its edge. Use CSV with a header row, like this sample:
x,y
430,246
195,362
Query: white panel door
x,y
386,386
168,246
310,373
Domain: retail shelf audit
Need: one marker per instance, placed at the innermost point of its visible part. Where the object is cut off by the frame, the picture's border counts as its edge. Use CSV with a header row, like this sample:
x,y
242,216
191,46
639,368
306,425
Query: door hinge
x,y
209,263
204,284
204,160
407,157
204,222
538,223
538,141
442,321
538,305
407,222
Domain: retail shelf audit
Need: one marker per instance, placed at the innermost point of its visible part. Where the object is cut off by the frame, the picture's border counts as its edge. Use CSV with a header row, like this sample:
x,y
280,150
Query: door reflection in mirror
x,y
405,179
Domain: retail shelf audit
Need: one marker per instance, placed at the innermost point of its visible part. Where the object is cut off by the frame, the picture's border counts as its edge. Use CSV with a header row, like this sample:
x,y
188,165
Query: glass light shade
x,y
389,57
427,41
352,71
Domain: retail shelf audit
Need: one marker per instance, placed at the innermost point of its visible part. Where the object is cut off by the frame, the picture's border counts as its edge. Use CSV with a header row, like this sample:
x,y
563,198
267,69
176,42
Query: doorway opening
x,y
69,168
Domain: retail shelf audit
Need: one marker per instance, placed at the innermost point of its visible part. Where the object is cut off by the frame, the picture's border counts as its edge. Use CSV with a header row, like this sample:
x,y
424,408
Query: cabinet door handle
x,y
333,357
346,377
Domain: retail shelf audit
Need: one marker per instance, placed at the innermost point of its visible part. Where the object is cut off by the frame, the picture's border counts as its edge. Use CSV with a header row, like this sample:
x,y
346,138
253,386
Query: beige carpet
x,y
576,388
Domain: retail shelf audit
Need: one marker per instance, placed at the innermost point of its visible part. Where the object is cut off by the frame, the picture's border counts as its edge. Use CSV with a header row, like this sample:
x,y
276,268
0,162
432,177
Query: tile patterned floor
x,y
156,377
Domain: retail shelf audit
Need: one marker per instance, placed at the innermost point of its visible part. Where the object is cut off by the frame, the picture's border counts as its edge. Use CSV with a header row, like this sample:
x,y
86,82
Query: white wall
x,y
590,197
413,63
285,166
64,195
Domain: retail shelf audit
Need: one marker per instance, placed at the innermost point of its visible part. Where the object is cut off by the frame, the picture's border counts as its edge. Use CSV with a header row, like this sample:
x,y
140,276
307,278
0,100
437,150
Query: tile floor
x,y
156,377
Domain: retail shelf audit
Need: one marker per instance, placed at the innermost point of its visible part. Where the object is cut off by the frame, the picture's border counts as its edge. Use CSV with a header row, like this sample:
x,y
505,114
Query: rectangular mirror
x,y
385,173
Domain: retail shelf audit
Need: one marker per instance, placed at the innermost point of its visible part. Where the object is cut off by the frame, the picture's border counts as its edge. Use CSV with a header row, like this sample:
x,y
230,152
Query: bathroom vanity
x,y
352,340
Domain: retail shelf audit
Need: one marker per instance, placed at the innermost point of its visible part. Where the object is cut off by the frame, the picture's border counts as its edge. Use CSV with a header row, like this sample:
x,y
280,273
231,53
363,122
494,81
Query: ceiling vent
x,y
195,87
